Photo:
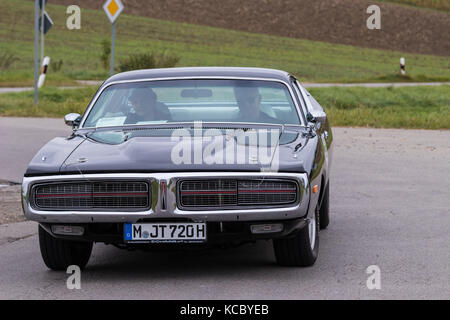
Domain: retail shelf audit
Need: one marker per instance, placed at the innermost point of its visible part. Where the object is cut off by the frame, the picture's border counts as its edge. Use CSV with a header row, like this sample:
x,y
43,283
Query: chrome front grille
x,y
227,193
92,195
256,192
208,193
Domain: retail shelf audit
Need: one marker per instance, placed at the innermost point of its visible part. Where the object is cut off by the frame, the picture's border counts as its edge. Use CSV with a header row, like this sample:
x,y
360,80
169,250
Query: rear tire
x,y
325,209
302,249
59,254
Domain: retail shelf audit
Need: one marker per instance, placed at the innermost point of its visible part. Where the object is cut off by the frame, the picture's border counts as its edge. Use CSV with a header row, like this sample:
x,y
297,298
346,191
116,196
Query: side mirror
x,y
316,116
72,119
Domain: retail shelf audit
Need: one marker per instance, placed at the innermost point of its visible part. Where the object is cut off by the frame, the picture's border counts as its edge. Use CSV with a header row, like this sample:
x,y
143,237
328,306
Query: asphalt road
x,y
389,207
21,139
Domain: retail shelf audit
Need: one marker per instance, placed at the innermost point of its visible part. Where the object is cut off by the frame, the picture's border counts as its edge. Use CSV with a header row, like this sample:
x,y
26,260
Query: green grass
x,y
53,102
443,5
406,107
80,50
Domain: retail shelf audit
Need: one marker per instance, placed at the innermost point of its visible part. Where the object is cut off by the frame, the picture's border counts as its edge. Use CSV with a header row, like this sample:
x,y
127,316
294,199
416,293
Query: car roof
x,y
193,72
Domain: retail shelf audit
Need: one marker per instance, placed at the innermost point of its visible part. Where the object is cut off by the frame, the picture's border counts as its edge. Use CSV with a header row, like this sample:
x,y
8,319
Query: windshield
x,y
156,102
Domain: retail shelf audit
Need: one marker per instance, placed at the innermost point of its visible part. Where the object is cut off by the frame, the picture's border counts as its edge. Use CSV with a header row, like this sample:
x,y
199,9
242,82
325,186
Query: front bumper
x,y
218,233
170,210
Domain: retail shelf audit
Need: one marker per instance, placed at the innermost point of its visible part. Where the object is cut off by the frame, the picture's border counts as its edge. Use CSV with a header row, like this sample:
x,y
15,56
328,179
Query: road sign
x,y
48,23
113,9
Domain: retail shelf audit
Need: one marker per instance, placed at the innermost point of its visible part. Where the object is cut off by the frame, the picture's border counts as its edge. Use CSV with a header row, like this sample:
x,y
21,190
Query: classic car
x,y
186,158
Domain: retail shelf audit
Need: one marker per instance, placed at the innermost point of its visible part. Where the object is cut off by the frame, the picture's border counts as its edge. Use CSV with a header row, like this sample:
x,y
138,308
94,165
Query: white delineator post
x,y
45,63
402,66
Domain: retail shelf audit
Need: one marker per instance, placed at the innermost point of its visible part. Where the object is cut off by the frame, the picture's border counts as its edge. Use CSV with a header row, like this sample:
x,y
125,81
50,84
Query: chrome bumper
x,y
171,210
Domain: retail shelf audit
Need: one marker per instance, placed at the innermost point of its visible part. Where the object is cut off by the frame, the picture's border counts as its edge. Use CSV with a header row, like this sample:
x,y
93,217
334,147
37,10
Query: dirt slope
x,y
339,21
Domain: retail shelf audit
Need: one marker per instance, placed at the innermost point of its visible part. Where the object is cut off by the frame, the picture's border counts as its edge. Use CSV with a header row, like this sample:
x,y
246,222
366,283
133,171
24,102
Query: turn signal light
x,y
315,189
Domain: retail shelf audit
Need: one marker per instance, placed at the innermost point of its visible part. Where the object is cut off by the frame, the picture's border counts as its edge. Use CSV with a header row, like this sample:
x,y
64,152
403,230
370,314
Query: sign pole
x,y
36,50
42,31
113,8
112,48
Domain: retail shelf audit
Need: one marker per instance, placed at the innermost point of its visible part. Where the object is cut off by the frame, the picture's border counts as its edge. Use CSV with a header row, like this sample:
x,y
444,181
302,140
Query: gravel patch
x,y
10,203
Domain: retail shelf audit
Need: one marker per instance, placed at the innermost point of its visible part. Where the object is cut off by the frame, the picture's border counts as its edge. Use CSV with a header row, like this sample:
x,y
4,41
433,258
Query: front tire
x,y
302,249
59,254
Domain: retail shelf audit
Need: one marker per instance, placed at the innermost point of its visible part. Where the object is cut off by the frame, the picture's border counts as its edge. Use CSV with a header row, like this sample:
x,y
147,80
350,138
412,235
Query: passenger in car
x,y
249,103
146,106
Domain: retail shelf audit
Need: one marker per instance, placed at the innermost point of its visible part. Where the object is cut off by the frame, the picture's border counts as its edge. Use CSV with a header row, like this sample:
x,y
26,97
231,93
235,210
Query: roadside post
x,y
402,66
45,63
113,9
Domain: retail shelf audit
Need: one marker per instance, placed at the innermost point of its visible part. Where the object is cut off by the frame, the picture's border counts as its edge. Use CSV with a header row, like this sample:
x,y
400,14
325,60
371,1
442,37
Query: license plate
x,y
165,232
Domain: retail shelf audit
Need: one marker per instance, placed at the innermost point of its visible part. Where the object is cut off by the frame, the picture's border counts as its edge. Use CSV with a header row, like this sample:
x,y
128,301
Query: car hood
x,y
118,152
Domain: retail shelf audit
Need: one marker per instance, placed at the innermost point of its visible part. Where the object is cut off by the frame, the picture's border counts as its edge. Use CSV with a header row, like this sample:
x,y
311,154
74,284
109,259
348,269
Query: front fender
x,y
50,158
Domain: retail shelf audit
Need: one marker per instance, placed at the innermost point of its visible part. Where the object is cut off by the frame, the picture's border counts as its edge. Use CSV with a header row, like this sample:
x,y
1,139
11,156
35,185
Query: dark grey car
x,y
186,158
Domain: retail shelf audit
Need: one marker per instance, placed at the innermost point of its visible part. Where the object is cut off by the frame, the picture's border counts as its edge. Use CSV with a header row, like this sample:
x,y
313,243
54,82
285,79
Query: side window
x,y
301,99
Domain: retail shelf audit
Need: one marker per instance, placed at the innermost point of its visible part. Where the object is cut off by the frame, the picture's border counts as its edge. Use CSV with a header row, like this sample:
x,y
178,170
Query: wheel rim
x,y
312,232
313,228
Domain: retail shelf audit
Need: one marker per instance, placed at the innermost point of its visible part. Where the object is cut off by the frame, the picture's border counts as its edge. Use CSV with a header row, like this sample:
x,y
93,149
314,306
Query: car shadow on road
x,y
108,261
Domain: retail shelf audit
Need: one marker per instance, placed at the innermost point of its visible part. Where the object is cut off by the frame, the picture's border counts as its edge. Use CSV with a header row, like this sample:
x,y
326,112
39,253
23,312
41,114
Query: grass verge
x,y
80,50
405,107
53,102
442,5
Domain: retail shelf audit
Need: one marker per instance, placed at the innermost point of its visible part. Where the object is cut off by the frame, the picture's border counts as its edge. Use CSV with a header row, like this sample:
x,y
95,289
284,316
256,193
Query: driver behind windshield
x,y
146,107
249,103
